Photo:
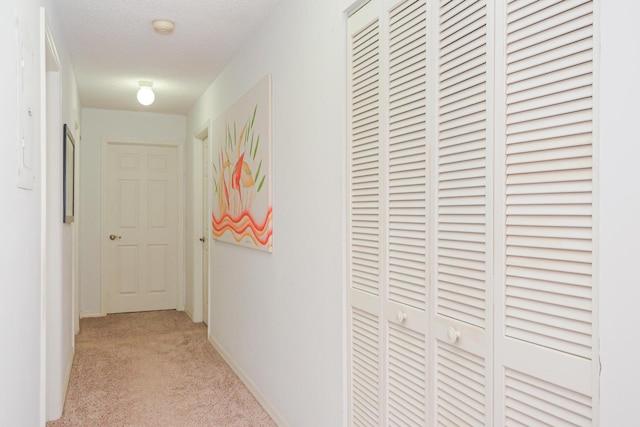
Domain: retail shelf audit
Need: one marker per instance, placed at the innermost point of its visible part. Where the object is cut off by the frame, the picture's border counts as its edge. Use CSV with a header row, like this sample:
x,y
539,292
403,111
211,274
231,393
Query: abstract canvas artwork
x,y
241,149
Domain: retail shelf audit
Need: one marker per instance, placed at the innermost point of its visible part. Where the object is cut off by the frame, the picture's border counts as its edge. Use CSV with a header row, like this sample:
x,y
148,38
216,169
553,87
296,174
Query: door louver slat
x,y
365,161
531,401
365,367
548,298
407,157
462,163
407,376
461,387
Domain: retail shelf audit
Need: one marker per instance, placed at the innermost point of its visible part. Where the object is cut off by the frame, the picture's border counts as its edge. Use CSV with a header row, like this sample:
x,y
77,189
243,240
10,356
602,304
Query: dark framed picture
x,y
68,174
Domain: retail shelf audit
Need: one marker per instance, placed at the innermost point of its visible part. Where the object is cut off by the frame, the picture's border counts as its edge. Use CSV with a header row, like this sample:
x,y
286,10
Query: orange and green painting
x,y
242,211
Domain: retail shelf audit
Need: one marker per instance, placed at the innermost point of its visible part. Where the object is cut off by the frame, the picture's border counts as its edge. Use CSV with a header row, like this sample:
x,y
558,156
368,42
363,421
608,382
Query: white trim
x,y
67,376
189,313
88,314
49,61
596,363
197,142
179,145
255,391
75,228
43,223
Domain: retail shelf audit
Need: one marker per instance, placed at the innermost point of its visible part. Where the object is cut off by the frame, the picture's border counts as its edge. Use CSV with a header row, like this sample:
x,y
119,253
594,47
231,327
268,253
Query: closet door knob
x,y
401,316
452,335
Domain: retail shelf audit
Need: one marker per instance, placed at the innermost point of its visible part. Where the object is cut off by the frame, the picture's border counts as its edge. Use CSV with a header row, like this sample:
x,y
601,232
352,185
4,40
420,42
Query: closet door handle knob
x,y
401,316
452,335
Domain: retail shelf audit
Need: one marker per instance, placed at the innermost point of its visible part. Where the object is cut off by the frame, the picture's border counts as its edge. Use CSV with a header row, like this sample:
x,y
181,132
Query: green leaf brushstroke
x,y
253,156
255,179
253,119
261,182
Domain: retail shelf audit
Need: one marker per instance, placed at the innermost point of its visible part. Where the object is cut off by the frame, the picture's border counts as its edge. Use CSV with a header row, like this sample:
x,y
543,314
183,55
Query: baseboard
x,y
64,387
85,314
189,313
264,402
67,377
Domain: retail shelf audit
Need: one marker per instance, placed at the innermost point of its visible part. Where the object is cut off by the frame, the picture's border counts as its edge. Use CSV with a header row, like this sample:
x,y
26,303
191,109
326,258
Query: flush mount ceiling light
x,y
163,26
145,93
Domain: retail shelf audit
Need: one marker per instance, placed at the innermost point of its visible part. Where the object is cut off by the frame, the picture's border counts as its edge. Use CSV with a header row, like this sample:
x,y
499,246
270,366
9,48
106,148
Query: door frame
x,y
52,393
179,146
197,315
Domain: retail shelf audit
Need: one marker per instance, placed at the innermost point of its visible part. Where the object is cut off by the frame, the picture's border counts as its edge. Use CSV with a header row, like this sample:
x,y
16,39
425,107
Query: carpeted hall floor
x,y
153,369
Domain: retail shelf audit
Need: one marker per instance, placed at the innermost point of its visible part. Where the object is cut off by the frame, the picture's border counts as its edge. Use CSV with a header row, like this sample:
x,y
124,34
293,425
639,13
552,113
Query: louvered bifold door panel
x,y
365,161
407,155
366,342
547,313
406,180
461,317
366,351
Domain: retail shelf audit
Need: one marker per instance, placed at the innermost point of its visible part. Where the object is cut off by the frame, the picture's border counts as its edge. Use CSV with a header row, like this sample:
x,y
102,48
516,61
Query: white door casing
x,y
206,227
141,220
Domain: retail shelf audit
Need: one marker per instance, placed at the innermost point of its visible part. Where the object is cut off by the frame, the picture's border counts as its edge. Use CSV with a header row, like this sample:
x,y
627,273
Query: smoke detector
x,y
163,26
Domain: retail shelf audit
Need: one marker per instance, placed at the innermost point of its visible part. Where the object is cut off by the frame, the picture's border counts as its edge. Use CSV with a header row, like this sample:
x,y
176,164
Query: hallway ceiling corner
x,y
112,46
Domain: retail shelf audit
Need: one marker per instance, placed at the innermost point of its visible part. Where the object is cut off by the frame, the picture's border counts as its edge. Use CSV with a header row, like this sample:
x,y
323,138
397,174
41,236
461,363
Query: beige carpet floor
x,y
153,369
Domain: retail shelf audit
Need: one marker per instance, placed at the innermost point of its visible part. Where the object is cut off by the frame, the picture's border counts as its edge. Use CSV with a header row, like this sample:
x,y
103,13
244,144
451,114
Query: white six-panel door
x,y
140,227
470,199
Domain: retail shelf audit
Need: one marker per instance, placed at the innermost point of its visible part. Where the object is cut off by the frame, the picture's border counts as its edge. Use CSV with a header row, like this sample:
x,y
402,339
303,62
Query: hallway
x,y
153,369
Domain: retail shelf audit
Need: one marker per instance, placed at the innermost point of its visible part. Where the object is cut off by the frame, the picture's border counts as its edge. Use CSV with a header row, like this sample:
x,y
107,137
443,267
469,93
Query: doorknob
x,y
452,335
114,237
202,239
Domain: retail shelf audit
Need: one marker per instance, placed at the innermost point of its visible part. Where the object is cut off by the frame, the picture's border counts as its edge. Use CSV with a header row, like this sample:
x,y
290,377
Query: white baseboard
x,y
54,412
264,402
85,314
67,376
189,313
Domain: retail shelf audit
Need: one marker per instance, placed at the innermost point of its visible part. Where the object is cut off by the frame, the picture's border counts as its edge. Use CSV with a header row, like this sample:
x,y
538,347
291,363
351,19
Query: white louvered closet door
x,y
366,381
546,357
388,212
471,214
462,310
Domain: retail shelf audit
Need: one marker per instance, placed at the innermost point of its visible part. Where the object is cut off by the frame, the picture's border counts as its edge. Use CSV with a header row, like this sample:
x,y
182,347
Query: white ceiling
x,y
112,46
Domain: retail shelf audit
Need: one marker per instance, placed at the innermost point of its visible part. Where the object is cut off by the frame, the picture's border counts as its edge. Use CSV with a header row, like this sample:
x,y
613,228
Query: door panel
x,y
365,272
461,317
545,356
140,227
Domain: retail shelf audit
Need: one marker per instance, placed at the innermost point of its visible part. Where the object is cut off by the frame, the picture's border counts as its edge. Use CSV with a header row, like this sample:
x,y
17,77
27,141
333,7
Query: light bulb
x,y
145,93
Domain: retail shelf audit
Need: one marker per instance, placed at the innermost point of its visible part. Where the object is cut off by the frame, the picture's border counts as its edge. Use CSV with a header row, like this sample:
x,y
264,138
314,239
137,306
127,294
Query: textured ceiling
x,y
112,46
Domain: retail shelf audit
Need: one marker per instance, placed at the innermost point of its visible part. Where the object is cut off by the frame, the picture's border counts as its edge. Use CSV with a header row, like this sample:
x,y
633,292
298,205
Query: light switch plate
x,y
27,124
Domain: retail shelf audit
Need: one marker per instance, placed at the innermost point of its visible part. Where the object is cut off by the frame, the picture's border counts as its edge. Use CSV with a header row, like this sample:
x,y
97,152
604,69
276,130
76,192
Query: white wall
x,y
279,317
97,125
620,213
20,230
62,107
21,395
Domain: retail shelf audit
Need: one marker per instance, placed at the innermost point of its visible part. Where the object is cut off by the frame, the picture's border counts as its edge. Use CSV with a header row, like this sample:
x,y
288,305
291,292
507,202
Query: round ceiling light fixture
x,y
163,26
145,93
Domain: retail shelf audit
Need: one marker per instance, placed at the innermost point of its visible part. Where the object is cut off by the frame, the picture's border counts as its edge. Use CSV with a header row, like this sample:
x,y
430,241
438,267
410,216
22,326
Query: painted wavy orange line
x,y
240,221
235,230
243,226
256,240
